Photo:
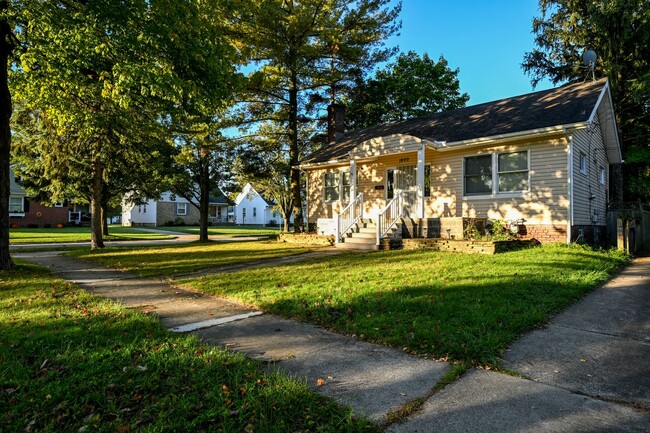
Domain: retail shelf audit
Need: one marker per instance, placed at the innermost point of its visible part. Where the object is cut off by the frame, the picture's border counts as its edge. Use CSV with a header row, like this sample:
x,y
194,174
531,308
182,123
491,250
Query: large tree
x,y
8,43
107,77
410,87
305,52
619,32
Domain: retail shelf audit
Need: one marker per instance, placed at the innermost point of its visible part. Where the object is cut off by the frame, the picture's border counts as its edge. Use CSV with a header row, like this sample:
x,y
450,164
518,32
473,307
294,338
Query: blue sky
x,y
486,40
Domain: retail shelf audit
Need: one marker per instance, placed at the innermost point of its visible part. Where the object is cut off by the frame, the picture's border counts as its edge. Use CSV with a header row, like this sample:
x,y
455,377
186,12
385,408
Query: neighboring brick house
x,y
539,160
27,212
174,210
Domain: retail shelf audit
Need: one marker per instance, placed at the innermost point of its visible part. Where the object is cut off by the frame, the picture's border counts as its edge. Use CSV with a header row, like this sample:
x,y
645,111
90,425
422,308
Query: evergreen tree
x,y
619,32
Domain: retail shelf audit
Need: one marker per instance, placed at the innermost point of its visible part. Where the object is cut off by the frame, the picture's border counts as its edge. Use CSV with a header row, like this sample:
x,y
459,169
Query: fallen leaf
x,y
320,381
583,360
249,428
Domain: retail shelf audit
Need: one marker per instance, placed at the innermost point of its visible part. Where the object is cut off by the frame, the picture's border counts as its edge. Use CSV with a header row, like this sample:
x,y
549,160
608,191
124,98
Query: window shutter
x,y
25,205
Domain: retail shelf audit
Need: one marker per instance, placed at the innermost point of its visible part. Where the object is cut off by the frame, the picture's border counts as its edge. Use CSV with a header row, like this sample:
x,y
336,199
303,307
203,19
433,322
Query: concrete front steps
x,y
363,236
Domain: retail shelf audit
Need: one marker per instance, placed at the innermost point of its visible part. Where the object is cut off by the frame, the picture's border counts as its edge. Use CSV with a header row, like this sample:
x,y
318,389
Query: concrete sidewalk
x,y
375,380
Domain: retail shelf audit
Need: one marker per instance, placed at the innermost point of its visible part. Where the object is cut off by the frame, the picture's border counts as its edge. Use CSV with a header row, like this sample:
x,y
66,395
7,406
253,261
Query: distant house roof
x,y
219,198
566,105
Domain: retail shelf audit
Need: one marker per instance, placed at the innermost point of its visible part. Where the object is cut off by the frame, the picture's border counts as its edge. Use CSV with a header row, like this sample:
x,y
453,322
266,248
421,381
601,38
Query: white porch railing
x,y
348,217
392,213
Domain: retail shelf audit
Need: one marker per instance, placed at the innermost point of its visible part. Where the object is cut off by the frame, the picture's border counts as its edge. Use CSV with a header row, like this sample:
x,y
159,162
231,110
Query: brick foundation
x,y
544,233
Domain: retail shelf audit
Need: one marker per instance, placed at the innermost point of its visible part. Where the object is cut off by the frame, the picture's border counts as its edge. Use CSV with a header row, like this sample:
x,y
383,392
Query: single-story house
x,y
172,209
26,212
539,160
251,208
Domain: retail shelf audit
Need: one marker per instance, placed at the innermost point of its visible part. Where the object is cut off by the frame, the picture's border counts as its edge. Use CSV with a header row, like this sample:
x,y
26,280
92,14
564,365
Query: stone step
x,y
364,234
358,247
355,240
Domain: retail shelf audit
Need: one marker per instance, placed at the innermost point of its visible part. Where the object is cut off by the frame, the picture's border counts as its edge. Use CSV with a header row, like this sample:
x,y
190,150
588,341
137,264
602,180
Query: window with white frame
x,y
512,170
16,205
58,204
181,208
478,175
345,186
497,173
602,176
254,212
583,163
332,186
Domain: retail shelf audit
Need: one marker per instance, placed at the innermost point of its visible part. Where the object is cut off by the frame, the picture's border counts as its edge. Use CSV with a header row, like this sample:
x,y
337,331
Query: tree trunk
x,y
96,239
6,48
204,199
294,154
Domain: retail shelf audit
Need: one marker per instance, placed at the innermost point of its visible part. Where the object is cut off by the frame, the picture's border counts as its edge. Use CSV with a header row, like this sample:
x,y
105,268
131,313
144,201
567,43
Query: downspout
x,y
569,183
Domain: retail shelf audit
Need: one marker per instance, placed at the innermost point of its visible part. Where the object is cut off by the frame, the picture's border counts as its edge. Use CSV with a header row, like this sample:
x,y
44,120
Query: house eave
x,y
482,141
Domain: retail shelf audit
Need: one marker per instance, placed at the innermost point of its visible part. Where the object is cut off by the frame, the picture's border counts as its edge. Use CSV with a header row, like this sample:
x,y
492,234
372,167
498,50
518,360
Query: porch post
x,y
353,184
420,180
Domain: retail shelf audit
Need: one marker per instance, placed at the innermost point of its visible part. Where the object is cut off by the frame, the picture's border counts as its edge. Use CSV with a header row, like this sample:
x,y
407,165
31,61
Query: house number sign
x,y
405,159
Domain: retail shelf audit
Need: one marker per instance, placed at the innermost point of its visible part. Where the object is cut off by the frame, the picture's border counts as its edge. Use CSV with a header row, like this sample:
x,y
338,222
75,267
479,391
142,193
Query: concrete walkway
x,y
563,396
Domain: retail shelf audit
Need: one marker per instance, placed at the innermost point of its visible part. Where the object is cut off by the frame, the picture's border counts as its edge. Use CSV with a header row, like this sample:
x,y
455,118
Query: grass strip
x,y
72,362
181,259
233,231
411,407
22,236
467,308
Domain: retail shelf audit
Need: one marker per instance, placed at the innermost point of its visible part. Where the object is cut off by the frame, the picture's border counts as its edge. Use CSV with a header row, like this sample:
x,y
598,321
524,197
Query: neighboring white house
x,y
253,209
173,209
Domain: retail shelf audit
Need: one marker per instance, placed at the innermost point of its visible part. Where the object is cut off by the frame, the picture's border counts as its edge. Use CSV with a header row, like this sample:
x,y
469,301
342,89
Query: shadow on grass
x,y
70,360
468,308
181,259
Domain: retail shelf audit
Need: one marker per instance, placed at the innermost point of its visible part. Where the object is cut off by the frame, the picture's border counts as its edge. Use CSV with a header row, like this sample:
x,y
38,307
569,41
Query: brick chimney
x,y
335,121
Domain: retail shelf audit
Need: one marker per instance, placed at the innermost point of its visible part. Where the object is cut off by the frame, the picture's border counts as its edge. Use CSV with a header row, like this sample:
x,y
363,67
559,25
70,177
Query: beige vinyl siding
x,y
546,203
590,143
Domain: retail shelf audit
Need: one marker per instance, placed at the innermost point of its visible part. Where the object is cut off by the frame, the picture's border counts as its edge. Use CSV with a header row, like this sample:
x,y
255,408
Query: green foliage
x,y
101,84
467,307
72,362
301,51
619,32
409,87
499,230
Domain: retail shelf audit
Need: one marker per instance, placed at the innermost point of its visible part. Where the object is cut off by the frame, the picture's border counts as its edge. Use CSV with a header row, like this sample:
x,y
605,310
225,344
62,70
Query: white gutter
x,y
443,146
569,183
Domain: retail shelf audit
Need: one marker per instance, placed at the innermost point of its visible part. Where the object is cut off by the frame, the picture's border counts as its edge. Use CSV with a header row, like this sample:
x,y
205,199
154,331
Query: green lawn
x,y
72,362
465,307
77,234
181,259
225,230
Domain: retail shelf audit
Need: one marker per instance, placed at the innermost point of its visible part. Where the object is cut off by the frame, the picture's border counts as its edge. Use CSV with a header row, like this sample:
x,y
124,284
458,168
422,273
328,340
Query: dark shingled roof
x,y
564,105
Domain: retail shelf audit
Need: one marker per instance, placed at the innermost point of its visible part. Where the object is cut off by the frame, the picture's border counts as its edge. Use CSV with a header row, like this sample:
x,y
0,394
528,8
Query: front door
x,y
404,180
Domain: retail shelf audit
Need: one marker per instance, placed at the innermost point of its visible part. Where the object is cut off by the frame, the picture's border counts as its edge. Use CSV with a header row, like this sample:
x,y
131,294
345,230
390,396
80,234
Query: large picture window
x,y
499,173
478,175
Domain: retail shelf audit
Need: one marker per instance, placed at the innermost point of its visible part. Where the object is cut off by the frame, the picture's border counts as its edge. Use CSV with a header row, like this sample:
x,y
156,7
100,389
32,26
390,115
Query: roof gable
x,y
562,106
